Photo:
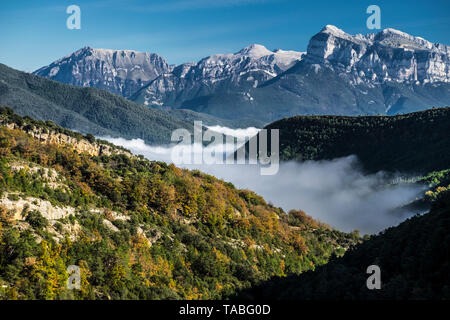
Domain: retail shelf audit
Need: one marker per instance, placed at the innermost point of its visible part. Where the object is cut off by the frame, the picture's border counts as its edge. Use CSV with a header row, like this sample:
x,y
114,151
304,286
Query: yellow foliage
x,y
298,242
50,269
221,257
282,268
140,242
85,273
119,274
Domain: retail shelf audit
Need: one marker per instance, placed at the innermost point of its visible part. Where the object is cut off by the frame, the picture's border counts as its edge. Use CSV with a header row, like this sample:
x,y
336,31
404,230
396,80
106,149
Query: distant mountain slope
x,y
119,71
385,73
137,229
210,120
189,85
85,109
414,259
416,142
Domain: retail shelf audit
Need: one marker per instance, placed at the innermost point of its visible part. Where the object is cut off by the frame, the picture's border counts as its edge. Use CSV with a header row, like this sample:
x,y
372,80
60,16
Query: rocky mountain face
x,y
46,136
191,84
389,55
118,71
385,73
388,72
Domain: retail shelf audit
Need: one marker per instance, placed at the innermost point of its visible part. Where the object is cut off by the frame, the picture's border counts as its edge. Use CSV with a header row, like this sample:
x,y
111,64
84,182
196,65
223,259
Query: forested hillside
x,y
137,229
414,259
88,110
415,142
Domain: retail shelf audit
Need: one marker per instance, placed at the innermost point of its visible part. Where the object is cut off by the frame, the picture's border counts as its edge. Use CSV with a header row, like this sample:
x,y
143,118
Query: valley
x,y
139,229
98,203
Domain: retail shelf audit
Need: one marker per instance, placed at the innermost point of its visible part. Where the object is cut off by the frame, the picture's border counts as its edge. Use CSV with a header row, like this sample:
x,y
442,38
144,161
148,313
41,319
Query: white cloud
x,y
239,133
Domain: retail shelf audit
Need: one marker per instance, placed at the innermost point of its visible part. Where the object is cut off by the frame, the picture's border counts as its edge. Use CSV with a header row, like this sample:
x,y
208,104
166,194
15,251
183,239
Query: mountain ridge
x,y
414,142
118,71
246,68
89,110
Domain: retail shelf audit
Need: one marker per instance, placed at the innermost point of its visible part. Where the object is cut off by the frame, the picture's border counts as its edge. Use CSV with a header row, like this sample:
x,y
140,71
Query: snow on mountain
x,y
389,55
385,72
247,68
118,71
388,72
352,65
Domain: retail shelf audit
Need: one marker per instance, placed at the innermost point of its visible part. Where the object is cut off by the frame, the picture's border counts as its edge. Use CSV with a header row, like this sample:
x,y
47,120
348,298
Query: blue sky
x,y
34,33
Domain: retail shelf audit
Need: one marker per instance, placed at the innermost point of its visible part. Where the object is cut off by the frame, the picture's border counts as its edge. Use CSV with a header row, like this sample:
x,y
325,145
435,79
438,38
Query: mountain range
x,y
389,72
95,111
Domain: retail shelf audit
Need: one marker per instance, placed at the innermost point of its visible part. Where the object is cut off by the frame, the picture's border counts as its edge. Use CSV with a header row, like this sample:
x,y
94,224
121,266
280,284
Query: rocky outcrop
x,y
81,145
49,211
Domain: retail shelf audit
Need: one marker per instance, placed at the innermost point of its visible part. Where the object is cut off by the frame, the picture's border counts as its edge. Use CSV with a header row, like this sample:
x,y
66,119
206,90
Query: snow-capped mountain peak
x,y
398,39
331,29
255,51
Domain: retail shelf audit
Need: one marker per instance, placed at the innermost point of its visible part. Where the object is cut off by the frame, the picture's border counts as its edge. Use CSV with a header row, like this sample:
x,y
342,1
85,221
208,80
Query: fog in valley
x,y
335,192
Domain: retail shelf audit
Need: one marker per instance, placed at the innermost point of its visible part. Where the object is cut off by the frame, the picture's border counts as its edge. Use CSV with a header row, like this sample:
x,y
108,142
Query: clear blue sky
x,y
34,33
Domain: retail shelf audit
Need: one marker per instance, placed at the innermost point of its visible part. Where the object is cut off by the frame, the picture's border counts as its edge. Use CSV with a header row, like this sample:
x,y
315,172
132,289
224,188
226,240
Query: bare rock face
x,y
118,71
388,72
389,55
47,210
80,145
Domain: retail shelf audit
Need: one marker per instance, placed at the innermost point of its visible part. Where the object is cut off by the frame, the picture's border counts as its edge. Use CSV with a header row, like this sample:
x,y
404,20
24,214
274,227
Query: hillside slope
x,y
414,259
416,142
137,229
88,110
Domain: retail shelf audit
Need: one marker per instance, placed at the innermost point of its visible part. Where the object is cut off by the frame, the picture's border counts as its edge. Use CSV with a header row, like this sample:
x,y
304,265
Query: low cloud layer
x,y
335,192
239,133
